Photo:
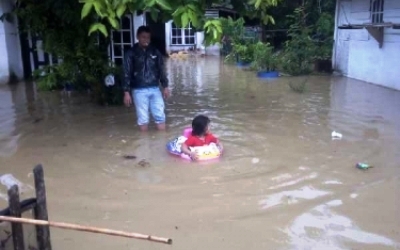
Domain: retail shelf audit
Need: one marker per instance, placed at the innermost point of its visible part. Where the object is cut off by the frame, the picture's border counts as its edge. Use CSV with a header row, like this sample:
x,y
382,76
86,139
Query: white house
x,y
367,41
186,38
12,62
167,34
19,60
10,48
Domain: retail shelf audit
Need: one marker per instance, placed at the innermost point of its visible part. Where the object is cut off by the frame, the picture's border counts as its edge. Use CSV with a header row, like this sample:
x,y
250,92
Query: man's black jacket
x,y
143,68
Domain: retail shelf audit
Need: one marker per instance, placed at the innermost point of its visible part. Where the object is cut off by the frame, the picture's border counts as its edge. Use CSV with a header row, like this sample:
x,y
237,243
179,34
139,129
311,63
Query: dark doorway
x,y
34,58
158,37
26,55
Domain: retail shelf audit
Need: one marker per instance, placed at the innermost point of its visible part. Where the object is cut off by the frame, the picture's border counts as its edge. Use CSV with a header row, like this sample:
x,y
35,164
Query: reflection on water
x,y
320,228
8,140
271,190
308,193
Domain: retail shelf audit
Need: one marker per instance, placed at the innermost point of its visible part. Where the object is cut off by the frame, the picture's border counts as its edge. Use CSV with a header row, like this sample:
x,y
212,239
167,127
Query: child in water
x,y
200,136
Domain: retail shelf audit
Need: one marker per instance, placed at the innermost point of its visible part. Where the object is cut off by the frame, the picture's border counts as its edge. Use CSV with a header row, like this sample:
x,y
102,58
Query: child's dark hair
x,y
143,29
199,125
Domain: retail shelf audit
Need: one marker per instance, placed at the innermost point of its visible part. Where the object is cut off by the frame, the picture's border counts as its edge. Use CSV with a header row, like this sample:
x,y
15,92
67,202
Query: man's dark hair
x,y
143,29
199,125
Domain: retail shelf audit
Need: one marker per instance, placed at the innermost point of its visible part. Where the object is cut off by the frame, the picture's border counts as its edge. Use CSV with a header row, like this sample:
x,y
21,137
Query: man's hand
x,y
166,93
127,99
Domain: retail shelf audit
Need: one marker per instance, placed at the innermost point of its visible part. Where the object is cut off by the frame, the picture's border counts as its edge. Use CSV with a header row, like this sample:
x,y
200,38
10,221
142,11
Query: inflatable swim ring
x,y
209,152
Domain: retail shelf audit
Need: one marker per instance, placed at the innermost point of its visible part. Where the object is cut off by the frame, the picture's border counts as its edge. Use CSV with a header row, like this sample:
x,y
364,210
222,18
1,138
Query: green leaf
x,y
150,3
258,3
185,20
110,12
178,11
164,4
216,22
177,21
121,10
99,8
219,28
93,28
103,29
272,20
193,8
114,23
87,7
154,15
132,7
98,27
195,19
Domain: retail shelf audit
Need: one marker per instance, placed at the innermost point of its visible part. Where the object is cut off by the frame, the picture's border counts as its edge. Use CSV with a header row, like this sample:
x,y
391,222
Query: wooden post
x,y
40,211
15,211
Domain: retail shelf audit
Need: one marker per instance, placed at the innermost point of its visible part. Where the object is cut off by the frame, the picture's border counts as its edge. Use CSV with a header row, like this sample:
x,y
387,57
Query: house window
x,y
377,11
182,36
121,40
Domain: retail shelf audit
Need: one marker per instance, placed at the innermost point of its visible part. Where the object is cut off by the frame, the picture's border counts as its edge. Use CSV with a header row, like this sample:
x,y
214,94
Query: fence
x,y
37,205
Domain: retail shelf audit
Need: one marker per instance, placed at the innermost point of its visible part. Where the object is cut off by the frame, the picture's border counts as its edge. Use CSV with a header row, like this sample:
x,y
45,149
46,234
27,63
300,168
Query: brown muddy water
x,y
283,182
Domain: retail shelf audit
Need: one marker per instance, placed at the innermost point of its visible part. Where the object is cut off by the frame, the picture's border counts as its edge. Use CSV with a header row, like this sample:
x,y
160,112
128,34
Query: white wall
x,y
138,20
357,54
4,68
10,48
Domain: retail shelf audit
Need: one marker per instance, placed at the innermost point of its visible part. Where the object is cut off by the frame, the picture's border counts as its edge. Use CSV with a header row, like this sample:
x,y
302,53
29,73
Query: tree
x,y
83,62
183,12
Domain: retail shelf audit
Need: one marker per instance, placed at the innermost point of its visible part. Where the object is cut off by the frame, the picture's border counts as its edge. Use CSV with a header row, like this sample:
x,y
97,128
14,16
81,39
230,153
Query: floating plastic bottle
x,y
336,135
363,166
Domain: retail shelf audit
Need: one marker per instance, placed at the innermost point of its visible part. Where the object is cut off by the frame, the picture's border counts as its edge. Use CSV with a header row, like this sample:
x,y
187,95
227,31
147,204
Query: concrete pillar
x,y
200,42
168,35
209,50
10,46
4,68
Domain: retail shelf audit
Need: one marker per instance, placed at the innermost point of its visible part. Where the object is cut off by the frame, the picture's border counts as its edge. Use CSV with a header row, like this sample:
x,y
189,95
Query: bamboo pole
x,y
87,229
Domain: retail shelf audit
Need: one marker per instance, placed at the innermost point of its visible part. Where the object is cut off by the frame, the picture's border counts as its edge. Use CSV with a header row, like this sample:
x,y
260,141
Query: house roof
x,y
227,7
222,9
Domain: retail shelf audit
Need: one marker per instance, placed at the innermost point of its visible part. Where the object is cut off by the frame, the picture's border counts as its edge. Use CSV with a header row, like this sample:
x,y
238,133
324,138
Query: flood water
x,y
283,182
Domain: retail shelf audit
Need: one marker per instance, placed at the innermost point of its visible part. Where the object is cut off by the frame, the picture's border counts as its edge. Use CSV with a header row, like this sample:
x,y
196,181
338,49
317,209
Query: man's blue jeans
x,y
149,98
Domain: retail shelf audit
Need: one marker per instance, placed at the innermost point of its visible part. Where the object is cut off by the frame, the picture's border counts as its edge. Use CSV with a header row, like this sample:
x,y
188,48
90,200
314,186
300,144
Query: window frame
x,y
118,40
377,9
182,35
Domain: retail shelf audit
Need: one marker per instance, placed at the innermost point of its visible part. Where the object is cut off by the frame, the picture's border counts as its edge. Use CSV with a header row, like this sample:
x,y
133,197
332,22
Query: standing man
x,y
143,73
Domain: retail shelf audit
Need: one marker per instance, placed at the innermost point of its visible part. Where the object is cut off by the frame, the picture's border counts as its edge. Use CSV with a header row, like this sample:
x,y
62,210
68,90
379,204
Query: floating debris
x,y
336,135
130,157
363,166
353,195
9,180
37,120
143,164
